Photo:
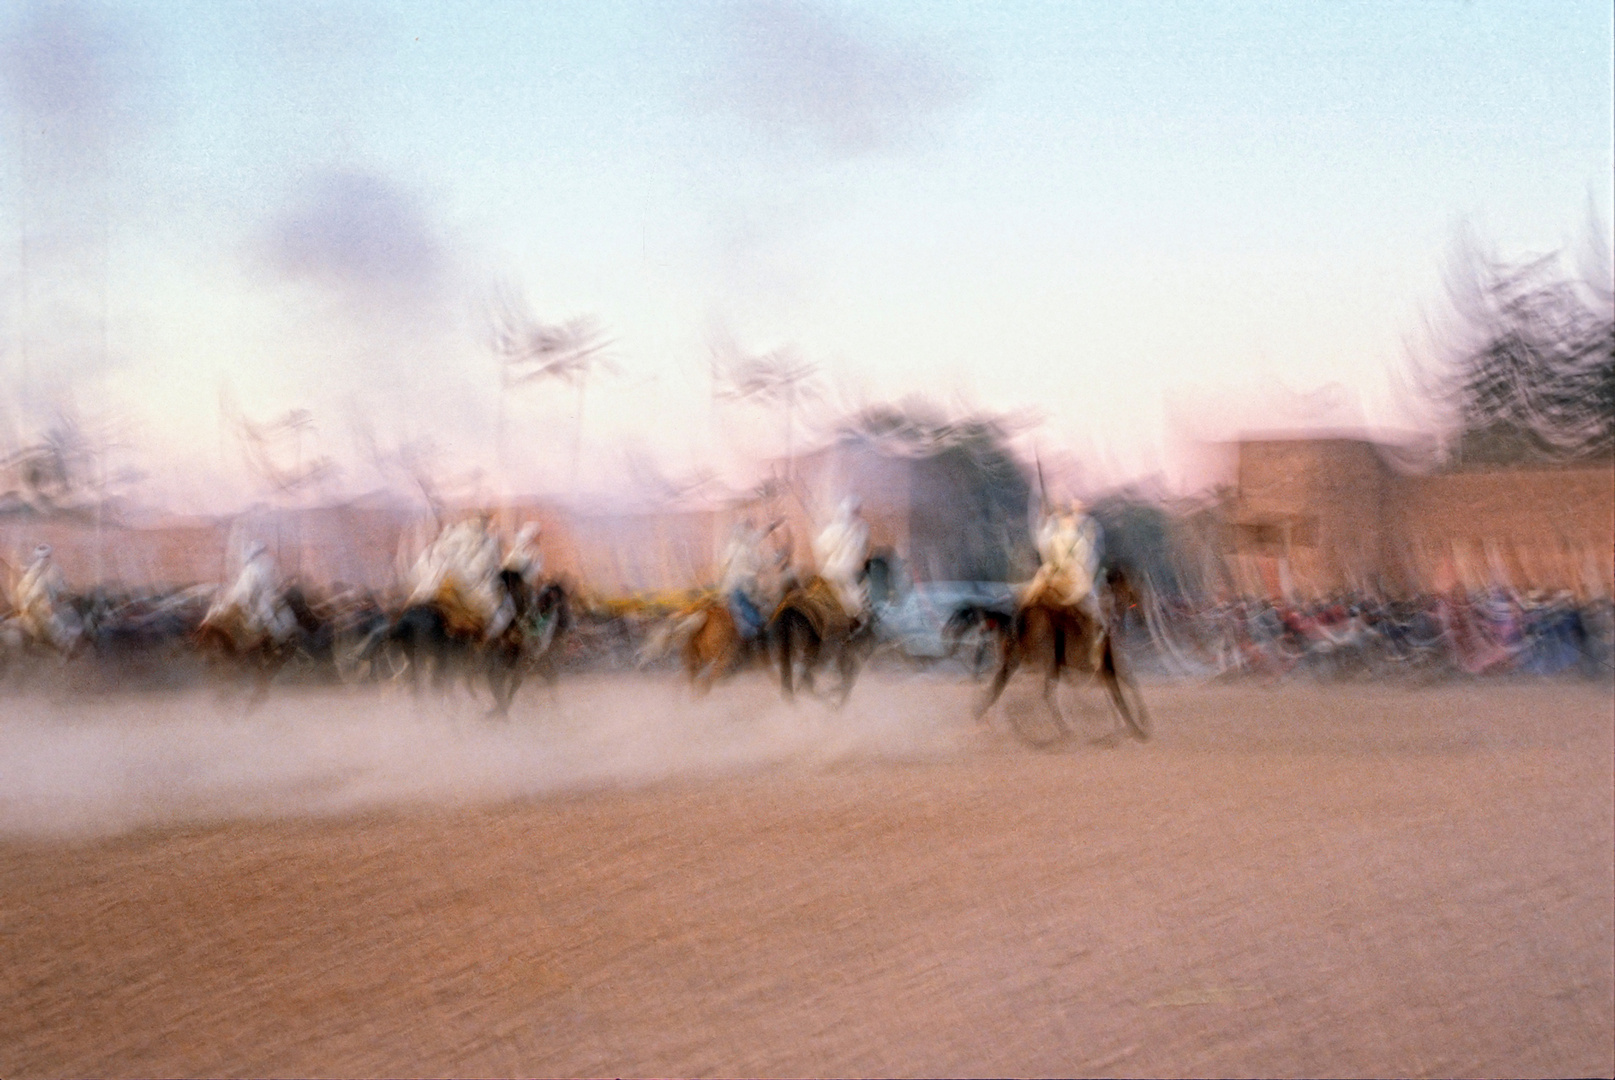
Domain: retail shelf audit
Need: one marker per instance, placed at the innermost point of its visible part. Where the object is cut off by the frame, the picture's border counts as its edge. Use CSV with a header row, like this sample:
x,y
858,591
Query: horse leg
x,y
700,660
721,660
442,650
504,677
516,674
1132,713
409,644
812,652
692,657
1009,661
270,661
848,662
786,659
1051,677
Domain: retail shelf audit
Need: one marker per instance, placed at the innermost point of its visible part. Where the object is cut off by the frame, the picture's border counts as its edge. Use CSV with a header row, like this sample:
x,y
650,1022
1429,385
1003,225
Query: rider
x,y
778,575
739,581
841,550
525,558
38,596
1068,544
256,598
460,573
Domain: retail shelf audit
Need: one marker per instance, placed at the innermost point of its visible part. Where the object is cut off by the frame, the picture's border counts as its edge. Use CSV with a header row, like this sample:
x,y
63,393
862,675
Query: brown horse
x,y
1067,641
225,640
709,641
808,627
714,647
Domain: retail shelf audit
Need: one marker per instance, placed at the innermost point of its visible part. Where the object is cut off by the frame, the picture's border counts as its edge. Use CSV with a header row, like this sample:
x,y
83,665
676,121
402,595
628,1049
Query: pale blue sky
x,y
1118,214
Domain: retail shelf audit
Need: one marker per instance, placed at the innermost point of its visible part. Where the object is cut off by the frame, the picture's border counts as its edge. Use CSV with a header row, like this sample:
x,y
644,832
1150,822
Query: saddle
x,y
818,601
234,624
460,618
1091,632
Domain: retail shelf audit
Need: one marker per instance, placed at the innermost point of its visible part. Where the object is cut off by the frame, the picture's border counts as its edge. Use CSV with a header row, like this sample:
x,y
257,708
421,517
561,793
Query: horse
x,y
809,626
1068,641
144,638
709,640
61,636
442,636
973,636
228,637
542,616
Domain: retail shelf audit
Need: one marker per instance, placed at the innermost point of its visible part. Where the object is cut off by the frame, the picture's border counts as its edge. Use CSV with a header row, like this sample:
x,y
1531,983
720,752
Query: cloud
x,y
366,299
76,88
360,231
76,70
797,71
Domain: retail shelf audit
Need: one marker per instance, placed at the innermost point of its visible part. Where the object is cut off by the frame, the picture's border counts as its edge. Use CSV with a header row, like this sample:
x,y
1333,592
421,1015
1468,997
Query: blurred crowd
x,y
1492,631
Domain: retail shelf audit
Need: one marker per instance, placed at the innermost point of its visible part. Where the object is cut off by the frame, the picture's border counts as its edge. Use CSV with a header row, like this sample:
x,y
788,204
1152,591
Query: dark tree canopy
x,y
56,471
970,494
1139,540
1529,369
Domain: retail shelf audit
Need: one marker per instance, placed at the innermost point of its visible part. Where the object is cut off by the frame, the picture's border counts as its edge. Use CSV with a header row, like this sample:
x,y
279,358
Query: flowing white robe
x,y
841,550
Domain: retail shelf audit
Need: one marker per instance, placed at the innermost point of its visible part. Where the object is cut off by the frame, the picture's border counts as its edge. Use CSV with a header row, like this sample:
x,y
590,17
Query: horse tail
x,y
675,632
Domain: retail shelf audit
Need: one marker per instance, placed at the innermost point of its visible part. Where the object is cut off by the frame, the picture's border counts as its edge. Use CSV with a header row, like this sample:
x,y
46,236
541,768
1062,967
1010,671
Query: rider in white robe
x,y
39,606
465,557
256,598
1068,543
841,549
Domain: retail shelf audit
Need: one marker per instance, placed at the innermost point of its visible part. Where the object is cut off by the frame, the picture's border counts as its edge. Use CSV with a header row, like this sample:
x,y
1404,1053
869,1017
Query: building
x,y
1315,516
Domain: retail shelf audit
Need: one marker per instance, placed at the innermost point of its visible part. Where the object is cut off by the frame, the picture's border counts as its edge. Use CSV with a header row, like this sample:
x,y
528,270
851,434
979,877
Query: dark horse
x,y
427,634
809,627
1068,642
225,638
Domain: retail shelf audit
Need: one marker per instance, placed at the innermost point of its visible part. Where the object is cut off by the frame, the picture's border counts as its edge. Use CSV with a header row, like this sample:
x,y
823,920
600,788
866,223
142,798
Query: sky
x,y
1139,226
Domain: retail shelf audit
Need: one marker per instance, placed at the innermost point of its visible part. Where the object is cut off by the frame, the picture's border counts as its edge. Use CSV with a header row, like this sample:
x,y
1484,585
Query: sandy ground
x,y
1291,881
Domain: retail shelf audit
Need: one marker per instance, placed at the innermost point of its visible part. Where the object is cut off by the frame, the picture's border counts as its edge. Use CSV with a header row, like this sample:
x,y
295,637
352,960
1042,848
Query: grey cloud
x,y
358,230
376,305
76,68
795,70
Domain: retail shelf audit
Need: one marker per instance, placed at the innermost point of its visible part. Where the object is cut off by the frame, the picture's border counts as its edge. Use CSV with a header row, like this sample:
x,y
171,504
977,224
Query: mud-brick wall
x,y
1349,504
1276,476
177,552
1543,528
1356,521
1330,493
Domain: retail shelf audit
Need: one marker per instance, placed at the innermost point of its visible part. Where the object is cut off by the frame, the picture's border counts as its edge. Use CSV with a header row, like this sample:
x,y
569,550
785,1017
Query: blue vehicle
x,y
933,621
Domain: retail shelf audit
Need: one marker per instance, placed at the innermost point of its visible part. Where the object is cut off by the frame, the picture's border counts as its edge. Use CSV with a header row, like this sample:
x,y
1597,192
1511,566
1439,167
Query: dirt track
x,y
1299,881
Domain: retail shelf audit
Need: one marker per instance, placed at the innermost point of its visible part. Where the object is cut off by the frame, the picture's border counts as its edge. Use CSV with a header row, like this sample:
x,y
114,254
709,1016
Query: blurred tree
x,y
1139,539
969,493
781,379
1528,368
531,351
65,468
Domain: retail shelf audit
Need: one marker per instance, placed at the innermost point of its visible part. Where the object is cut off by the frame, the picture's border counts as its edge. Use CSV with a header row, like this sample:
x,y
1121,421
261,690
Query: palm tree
x,y
781,379
267,448
531,351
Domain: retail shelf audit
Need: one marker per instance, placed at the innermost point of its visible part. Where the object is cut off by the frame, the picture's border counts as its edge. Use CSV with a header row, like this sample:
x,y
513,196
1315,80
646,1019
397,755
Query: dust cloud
x,y
97,766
